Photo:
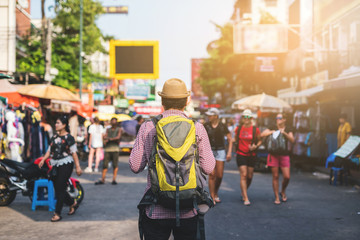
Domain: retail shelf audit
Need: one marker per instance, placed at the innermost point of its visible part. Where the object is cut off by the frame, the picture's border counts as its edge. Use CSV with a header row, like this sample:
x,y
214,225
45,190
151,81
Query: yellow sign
x,y
134,59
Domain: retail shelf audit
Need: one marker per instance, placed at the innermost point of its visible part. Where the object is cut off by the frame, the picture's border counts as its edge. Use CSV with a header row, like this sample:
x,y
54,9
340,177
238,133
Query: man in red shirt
x,y
248,139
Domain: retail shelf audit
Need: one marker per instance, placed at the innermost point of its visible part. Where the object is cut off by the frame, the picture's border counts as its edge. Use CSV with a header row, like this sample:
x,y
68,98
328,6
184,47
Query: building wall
x,y
277,8
7,36
23,18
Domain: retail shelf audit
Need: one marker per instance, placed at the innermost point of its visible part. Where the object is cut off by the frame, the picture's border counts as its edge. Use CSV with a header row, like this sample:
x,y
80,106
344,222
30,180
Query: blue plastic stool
x,y
334,172
38,195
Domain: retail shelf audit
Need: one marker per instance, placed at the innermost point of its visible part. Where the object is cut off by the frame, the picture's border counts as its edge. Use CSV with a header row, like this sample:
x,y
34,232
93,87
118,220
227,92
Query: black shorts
x,y
245,160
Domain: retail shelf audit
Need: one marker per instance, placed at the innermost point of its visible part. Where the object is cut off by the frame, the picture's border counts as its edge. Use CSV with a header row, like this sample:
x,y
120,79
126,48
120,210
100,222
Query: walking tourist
x,y
280,159
62,150
217,131
96,131
248,139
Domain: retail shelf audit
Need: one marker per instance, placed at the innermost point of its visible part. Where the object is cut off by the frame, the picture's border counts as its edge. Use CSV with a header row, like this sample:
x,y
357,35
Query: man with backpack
x,y
178,155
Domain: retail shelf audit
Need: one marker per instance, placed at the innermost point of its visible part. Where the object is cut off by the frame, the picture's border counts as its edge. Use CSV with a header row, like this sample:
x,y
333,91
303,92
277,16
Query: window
x,y
270,3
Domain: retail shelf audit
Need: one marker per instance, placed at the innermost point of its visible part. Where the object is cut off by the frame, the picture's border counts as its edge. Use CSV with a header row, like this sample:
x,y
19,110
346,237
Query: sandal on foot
x,y
277,202
217,200
57,219
99,182
283,197
73,208
247,203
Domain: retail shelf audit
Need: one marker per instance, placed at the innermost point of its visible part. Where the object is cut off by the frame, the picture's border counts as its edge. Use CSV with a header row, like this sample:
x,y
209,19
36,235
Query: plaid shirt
x,y
140,155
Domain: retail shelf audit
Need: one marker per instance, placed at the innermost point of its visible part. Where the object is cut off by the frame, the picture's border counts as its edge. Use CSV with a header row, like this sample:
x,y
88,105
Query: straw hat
x,y
174,88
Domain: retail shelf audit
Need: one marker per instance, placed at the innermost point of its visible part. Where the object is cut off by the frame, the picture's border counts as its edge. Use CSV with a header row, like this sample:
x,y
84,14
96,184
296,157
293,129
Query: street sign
x,y
134,59
262,38
116,9
265,64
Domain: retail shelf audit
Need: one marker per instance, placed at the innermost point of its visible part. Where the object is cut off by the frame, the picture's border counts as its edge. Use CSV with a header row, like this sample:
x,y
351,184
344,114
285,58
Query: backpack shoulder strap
x,y
237,138
254,140
156,119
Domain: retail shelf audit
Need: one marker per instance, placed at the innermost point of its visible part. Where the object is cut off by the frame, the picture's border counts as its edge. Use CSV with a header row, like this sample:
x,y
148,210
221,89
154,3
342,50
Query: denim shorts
x,y
219,155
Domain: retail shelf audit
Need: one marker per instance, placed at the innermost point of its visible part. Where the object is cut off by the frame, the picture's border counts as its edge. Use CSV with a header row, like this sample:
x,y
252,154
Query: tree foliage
x,y
231,74
65,44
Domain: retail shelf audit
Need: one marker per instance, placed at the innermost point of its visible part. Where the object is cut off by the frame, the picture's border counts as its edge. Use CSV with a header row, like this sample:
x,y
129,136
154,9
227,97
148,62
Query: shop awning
x,y
17,99
84,110
345,81
300,98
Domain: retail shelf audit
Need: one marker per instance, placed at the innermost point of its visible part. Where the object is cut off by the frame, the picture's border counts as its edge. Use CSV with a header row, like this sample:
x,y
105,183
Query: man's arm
x,y
206,157
137,159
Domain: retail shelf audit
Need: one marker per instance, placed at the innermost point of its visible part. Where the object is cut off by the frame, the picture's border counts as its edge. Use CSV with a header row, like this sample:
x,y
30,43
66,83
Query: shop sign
x,y
121,103
148,110
137,92
60,106
265,64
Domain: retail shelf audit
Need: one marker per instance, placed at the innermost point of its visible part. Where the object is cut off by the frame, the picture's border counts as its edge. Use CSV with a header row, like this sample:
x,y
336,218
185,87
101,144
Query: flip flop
x,y
56,220
217,200
247,203
283,197
277,202
75,207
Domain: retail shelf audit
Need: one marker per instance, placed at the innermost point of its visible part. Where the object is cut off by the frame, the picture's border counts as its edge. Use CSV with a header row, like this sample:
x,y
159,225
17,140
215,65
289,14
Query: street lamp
x,y
81,46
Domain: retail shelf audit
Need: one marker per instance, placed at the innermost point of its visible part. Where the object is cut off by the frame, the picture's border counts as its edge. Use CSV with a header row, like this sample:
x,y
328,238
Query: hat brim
x,y
174,96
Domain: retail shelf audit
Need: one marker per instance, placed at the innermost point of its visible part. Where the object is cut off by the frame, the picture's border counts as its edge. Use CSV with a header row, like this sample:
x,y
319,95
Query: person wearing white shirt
x,y
96,132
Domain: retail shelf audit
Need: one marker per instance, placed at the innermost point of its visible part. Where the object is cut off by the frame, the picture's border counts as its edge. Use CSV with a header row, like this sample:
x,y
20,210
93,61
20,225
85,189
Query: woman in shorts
x,y
282,161
248,140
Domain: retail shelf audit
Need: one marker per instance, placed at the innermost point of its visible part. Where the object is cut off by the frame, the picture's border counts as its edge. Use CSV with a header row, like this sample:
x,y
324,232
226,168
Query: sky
x,y
183,28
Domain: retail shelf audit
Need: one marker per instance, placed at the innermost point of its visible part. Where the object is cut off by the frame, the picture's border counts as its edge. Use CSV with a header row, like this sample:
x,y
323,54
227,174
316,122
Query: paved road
x,y
315,210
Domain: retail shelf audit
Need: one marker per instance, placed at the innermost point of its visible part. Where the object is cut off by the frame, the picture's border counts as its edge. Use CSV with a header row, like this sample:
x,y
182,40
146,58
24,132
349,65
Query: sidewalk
x,y
353,179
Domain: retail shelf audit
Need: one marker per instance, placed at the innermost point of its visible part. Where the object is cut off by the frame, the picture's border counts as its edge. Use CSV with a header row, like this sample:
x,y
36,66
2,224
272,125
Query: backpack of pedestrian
x,y
176,179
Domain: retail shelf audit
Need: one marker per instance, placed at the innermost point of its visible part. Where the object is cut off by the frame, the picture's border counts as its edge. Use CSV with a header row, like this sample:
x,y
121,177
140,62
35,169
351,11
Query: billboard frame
x,y
116,43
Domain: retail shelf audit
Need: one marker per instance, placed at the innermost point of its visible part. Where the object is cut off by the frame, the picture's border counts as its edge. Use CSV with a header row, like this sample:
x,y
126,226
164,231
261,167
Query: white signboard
x,y
262,38
349,147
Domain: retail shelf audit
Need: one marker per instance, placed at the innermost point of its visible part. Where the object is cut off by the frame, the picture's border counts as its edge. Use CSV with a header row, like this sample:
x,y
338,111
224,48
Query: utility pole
x,y
47,76
81,46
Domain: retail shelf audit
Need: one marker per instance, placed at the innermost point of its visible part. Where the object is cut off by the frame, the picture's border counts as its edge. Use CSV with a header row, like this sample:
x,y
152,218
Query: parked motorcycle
x,y
16,176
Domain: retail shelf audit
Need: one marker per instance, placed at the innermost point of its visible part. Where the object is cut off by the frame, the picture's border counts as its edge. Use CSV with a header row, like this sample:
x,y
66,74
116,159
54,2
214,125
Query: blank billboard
x,y
134,59
265,38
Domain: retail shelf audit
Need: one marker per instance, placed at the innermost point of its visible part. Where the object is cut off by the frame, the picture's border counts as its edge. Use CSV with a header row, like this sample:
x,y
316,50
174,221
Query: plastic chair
x,y
38,195
334,172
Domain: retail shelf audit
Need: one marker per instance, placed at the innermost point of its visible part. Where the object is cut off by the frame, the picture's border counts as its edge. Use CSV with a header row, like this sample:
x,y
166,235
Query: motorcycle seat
x,y
17,165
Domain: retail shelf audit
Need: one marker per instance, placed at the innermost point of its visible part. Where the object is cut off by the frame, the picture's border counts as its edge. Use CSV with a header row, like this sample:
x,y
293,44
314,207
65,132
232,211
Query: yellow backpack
x,y
177,181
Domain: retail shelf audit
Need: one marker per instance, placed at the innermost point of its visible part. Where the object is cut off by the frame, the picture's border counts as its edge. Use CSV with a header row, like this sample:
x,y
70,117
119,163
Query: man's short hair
x,y
113,118
176,103
343,115
138,118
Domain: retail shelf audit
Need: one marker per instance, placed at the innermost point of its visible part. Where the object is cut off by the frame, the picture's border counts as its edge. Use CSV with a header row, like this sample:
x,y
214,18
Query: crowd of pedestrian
x,y
215,143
